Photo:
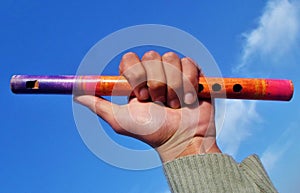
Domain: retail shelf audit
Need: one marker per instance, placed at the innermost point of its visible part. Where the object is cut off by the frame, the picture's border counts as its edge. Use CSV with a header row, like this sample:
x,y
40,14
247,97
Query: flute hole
x,y
32,84
200,87
216,87
237,88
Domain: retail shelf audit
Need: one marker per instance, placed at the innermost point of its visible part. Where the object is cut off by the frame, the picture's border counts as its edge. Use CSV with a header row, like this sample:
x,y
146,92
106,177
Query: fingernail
x,y
144,95
174,104
84,100
75,99
188,98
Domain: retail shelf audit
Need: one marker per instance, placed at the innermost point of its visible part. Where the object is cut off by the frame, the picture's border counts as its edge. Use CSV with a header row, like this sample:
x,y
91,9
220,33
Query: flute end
x,y
291,90
13,83
20,85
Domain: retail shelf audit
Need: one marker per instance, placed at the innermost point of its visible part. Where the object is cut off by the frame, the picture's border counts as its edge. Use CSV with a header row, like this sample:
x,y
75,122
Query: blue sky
x,y
41,150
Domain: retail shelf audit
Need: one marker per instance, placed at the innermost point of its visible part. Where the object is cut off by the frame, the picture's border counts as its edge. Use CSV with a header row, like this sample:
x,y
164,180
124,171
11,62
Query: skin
x,y
165,112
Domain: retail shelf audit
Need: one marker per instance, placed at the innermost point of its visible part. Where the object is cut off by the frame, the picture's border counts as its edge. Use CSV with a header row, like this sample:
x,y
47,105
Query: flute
x,y
230,88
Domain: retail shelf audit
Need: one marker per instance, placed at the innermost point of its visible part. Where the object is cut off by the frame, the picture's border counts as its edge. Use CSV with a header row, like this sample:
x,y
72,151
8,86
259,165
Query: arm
x,y
167,114
217,173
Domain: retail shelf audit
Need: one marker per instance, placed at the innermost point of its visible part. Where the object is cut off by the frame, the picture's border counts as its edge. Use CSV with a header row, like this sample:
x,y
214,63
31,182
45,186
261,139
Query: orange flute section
x,y
233,88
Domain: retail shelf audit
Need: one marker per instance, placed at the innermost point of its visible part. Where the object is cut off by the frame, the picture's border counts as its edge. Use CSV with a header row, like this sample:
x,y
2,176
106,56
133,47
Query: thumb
x,y
101,107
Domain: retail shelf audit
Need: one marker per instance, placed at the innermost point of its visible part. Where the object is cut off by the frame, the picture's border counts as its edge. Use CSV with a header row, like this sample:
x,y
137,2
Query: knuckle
x,y
185,61
170,57
129,56
98,109
129,59
151,55
188,62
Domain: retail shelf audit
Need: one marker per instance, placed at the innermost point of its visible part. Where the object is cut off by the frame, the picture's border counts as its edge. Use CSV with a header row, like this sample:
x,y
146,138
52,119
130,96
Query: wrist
x,y
198,145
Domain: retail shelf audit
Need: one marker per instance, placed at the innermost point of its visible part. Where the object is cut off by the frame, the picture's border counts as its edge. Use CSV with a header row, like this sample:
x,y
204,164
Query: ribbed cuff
x,y
254,171
207,173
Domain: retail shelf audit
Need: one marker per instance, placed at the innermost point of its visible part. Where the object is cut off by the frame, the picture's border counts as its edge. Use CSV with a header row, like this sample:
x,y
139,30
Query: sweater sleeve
x,y
217,173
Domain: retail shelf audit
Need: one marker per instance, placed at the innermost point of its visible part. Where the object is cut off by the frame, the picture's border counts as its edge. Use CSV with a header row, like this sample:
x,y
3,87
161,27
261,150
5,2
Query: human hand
x,y
166,112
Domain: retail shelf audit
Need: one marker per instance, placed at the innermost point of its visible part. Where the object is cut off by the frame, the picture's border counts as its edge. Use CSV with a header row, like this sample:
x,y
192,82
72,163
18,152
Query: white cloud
x,y
275,36
240,118
270,49
274,39
272,155
277,149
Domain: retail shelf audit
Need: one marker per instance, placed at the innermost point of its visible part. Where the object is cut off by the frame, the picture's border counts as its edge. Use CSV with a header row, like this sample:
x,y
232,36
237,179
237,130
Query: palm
x,y
156,124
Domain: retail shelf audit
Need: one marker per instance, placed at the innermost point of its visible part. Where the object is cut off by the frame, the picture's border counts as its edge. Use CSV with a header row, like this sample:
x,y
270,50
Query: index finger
x,y
132,69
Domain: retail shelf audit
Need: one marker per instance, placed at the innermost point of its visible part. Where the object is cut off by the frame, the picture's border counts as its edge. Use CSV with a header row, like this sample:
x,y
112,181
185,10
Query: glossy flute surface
x,y
231,88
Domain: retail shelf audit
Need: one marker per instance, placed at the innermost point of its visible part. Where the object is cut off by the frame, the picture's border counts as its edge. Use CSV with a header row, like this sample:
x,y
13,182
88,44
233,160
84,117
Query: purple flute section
x,y
42,84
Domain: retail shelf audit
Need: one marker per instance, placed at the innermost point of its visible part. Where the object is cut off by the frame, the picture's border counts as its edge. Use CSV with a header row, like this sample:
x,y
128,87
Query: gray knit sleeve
x,y
217,173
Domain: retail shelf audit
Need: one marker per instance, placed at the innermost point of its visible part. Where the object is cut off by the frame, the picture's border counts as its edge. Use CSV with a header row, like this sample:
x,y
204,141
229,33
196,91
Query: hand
x,y
166,112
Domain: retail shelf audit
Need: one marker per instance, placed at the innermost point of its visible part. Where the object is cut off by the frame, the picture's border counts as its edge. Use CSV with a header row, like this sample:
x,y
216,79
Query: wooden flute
x,y
230,88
